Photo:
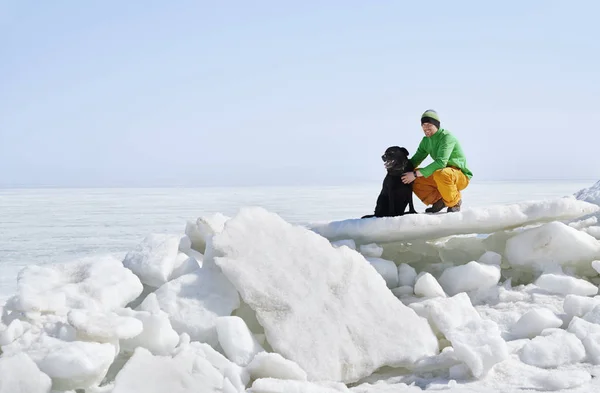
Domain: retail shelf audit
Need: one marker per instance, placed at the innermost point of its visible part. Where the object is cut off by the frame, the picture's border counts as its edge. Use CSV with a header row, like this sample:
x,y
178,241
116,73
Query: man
x,y
439,183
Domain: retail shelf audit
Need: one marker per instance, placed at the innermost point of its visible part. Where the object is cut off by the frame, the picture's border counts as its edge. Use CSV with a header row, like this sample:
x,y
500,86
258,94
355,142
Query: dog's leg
x,y
411,206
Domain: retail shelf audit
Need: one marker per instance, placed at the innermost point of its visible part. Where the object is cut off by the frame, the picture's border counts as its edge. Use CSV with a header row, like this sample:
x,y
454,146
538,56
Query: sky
x,y
203,93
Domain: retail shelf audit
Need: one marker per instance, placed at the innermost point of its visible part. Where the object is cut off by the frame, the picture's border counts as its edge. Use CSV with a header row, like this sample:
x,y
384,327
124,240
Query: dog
x,y
395,196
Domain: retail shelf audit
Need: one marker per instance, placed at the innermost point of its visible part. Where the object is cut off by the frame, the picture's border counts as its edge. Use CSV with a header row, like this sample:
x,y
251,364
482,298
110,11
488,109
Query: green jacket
x,y
444,149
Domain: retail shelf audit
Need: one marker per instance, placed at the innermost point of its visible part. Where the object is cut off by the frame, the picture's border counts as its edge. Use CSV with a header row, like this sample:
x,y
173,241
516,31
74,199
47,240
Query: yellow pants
x,y
444,183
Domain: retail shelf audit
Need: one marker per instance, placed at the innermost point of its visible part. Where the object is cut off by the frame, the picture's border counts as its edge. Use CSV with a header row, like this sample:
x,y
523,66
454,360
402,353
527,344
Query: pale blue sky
x,y
133,93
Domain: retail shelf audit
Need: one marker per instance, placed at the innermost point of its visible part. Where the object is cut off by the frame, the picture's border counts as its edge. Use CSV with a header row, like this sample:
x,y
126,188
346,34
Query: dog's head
x,y
395,158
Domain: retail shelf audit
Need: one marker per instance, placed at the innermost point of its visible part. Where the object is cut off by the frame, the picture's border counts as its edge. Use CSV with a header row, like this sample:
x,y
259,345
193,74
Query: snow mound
x,y
94,284
474,220
293,278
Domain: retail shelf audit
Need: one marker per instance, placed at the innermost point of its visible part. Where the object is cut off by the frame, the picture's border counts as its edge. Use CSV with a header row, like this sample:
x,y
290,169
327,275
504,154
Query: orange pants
x,y
444,183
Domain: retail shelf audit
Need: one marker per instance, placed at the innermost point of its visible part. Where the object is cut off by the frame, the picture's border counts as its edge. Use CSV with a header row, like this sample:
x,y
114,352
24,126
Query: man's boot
x,y
455,208
436,207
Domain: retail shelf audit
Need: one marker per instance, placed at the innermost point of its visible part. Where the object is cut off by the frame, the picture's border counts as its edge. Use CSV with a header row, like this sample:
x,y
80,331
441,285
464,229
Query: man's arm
x,y
444,151
419,155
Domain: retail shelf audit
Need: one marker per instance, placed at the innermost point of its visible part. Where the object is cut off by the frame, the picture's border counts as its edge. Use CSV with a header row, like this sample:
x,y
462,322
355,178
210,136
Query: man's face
x,y
429,129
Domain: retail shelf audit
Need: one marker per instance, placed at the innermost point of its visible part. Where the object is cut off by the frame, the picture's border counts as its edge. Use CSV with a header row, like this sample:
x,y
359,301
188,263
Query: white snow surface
x,y
311,299
254,304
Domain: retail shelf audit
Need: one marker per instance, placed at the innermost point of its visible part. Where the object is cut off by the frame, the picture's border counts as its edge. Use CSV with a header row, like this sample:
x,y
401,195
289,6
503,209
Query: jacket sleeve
x,y
444,150
419,155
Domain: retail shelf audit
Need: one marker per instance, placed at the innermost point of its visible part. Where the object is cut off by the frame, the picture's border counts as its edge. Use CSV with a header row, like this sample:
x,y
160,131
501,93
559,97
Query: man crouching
x,y
439,184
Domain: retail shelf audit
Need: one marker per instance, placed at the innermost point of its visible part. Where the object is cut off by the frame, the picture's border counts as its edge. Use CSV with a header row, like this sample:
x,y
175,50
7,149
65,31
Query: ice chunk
x,y
203,229
555,244
565,285
387,269
294,278
19,374
490,258
593,315
194,302
95,284
578,306
13,331
554,349
103,326
590,194
345,242
154,259
593,231
273,365
474,220
534,322
476,341
406,275
157,335
427,286
470,277
158,374
71,365
596,266
371,250
589,334
237,340
185,264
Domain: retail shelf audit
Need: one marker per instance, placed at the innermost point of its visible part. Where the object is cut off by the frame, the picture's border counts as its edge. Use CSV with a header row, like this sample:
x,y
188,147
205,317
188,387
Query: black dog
x,y
395,195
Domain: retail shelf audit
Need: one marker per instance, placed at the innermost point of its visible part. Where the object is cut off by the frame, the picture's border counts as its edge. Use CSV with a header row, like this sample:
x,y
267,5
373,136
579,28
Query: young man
x,y
439,183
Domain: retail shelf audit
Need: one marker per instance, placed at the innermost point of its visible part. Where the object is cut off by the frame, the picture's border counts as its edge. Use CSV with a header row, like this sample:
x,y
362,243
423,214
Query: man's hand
x,y
408,177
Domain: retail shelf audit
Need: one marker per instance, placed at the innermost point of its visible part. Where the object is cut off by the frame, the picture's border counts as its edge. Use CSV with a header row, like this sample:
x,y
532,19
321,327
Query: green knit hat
x,y
430,116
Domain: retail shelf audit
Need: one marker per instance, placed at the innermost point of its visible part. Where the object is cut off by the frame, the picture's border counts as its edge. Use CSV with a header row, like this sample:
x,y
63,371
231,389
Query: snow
x,y
474,220
293,278
470,277
251,303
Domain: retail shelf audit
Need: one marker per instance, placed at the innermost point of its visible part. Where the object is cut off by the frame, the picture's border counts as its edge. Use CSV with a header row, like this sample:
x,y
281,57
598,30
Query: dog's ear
x,y
403,150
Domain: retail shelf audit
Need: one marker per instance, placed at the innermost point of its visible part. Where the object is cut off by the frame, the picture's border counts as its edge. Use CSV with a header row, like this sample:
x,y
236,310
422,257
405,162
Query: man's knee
x,y
444,175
